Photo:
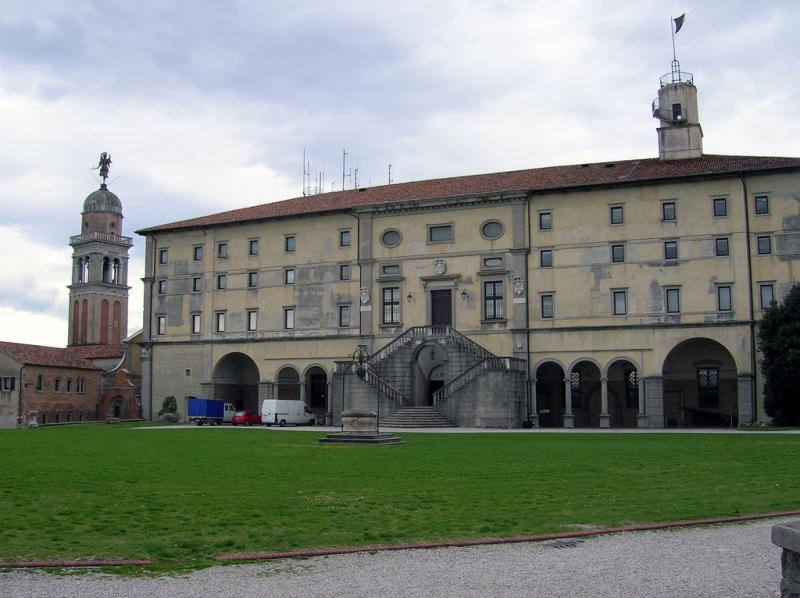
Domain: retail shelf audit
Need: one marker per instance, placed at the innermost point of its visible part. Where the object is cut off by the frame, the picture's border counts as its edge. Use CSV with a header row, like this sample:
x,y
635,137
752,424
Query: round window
x,y
391,238
492,229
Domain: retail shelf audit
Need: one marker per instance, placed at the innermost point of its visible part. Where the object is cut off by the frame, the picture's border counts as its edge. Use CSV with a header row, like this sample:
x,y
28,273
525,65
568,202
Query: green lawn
x,y
181,497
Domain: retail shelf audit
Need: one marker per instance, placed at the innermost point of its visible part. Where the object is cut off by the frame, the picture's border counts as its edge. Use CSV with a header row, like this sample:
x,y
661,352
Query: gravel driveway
x,y
729,561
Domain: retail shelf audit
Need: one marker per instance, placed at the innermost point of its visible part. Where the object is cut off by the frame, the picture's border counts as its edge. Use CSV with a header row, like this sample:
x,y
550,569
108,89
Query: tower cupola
x,y
679,134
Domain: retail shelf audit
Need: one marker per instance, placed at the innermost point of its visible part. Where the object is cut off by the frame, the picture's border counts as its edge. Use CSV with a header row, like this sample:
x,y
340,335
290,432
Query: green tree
x,y
779,341
170,405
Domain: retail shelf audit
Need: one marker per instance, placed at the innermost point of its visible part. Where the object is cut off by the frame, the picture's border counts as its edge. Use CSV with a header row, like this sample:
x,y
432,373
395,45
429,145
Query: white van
x,y
282,412
227,414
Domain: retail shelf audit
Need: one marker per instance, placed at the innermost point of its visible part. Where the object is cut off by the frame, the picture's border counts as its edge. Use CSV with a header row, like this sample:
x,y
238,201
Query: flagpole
x,y
672,30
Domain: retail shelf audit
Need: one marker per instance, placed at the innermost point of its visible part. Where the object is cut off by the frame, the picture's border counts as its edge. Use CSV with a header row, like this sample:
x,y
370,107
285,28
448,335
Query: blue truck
x,y
208,411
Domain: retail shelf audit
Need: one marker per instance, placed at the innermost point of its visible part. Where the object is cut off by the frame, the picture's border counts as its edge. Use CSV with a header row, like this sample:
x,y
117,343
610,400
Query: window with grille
x,y
493,300
575,389
708,387
631,389
391,305
253,247
344,316
668,210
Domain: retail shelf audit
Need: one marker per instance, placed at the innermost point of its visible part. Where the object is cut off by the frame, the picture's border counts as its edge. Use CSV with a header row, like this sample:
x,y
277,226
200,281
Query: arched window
x,y
85,276
106,270
115,272
80,269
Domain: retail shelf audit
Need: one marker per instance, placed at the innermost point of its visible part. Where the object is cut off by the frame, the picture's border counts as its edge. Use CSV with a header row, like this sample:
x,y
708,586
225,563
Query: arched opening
x,y
429,372
700,387
85,275
550,395
115,272
236,381
585,393
317,390
623,393
106,270
119,408
288,384
79,270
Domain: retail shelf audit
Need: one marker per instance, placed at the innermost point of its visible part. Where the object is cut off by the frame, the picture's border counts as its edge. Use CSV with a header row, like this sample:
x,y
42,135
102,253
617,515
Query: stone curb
x,y
73,564
290,554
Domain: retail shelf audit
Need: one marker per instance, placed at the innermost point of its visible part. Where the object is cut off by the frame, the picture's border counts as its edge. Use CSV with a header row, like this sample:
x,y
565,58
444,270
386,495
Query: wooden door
x,y
441,308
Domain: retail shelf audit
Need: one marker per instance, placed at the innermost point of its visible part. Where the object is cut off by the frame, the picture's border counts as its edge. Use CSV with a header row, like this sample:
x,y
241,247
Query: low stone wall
x,y
787,537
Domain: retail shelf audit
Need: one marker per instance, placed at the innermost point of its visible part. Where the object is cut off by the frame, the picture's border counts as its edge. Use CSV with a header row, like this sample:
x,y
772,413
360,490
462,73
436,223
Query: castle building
x,y
613,294
97,375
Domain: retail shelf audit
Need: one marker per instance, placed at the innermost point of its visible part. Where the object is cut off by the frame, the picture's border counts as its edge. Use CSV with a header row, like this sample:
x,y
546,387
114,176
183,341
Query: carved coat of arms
x,y
364,295
518,284
439,266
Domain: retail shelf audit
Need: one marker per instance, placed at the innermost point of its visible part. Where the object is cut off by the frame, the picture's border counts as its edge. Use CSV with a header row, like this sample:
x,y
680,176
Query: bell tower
x,y
679,134
98,295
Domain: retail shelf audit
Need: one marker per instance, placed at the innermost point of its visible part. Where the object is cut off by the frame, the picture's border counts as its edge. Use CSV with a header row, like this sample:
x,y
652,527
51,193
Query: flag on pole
x,y
679,22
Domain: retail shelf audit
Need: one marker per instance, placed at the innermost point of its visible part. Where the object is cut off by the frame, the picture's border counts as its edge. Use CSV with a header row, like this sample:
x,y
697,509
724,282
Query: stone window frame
x,y
385,274
219,320
756,198
290,243
674,204
398,303
251,323
161,324
289,317
289,276
162,287
552,298
69,385
725,288
7,383
540,214
344,308
252,279
197,284
345,238
719,201
768,239
345,272
761,287
718,245
494,300
441,225
196,318
39,383
253,246
619,292
197,253
391,230
56,384
616,209
222,250
163,256
549,253
80,385
672,289
667,243
485,223
618,254
222,281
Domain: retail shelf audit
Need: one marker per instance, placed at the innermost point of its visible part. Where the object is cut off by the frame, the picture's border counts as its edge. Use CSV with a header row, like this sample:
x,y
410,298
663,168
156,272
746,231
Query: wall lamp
x,y
409,297
464,295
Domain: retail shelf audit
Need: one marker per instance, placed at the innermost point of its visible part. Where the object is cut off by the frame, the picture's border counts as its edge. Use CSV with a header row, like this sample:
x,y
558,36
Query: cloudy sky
x,y
207,106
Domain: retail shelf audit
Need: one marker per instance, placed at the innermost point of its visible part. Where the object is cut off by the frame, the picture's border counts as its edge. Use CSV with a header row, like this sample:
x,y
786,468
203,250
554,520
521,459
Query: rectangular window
x,y
252,319
617,215
222,250
288,243
493,306
196,323
492,262
767,292
161,324
163,256
80,385
720,207
708,387
677,113
545,220
617,253
390,270
764,245
252,248
7,384
57,385
222,281
721,247
670,250
548,306
220,321
344,238
252,279
344,271
288,318
162,287
197,284
344,316
724,301
620,303
40,383
440,234
198,253
668,211
673,301
391,305
546,258
69,385
762,205
288,276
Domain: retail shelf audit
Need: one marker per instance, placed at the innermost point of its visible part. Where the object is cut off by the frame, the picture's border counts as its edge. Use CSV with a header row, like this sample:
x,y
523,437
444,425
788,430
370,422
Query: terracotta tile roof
x,y
97,351
536,179
47,356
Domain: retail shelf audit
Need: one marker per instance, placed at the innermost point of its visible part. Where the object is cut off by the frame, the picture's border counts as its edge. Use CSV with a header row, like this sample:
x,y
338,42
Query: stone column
x,y
605,418
207,390
266,390
745,386
654,401
641,417
533,416
329,403
147,382
569,418
302,391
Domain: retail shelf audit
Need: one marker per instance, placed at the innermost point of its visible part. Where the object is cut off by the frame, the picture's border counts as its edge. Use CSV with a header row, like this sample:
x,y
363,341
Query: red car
x,y
246,418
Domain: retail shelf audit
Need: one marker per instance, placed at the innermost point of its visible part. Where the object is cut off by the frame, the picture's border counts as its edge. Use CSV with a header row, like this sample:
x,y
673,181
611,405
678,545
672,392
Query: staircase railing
x,y
467,376
428,332
371,378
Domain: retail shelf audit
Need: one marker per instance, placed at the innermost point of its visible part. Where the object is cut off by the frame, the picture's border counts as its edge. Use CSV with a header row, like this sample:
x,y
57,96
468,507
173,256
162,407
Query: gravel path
x,y
729,561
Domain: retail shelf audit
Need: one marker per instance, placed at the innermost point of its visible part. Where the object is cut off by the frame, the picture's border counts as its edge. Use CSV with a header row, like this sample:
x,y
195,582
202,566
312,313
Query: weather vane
x,y
103,165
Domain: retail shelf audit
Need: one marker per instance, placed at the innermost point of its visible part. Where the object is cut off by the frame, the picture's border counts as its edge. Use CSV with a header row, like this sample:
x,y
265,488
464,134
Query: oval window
x,y
391,238
492,229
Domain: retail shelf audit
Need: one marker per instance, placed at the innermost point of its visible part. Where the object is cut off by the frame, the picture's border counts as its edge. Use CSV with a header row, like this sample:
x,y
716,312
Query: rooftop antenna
x,y
390,174
348,175
306,173
355,174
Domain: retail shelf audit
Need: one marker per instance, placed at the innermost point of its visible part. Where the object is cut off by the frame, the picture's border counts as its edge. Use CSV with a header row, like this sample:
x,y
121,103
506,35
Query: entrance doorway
x,y
441,308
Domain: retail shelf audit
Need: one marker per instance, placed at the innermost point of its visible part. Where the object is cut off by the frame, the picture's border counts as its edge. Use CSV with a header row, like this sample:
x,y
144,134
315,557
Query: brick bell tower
x,y
98,295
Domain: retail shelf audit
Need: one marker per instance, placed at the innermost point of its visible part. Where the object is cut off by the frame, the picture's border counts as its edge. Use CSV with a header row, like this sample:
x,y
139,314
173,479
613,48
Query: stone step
x,y
417,417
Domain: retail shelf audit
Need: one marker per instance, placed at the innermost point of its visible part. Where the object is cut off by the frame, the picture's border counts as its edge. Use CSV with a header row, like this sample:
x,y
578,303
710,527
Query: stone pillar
x,y
654,401
745,386
533,416
605,418
787,537
147,382
569,418
266,390
207,390
329,403
302,391
641,417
